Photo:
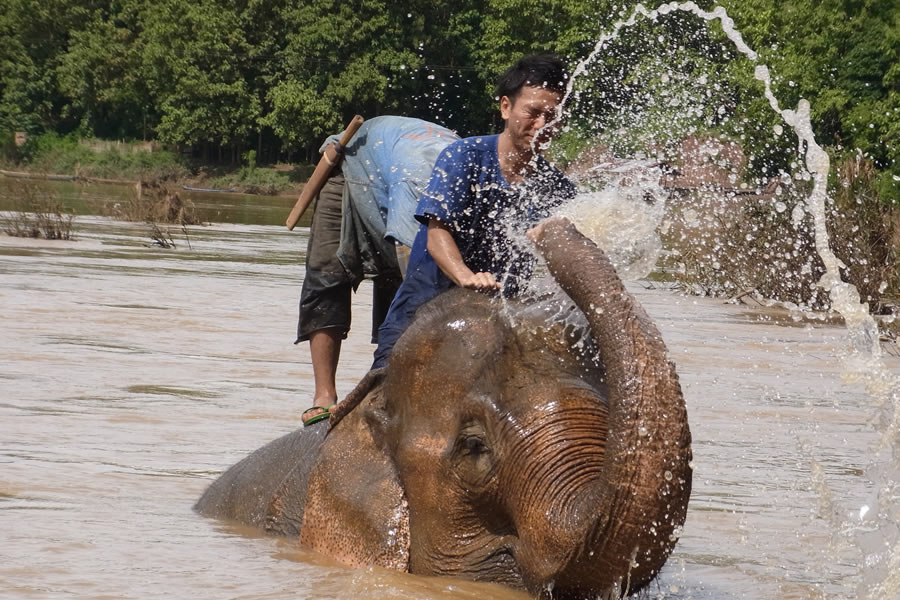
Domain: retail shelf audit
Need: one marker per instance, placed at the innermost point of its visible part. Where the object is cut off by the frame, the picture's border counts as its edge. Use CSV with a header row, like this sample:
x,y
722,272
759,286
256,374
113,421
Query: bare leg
x,y
325,349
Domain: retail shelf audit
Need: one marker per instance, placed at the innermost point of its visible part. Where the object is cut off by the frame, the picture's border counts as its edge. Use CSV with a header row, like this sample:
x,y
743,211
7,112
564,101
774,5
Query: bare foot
x,y
317,412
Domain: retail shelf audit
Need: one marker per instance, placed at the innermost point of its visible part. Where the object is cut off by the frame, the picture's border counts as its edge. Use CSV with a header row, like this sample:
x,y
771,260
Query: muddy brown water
x,y
132,376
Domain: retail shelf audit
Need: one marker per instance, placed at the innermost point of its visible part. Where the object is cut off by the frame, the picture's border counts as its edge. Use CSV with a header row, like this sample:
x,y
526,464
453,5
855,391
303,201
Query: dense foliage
x,y
842,55
226,76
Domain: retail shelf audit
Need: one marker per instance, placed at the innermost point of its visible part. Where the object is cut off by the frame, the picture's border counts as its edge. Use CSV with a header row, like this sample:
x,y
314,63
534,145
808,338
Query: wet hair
x,y
539,70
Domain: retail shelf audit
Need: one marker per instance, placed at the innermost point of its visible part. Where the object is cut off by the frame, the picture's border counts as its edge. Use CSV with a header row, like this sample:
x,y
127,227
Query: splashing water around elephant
x,y
624,218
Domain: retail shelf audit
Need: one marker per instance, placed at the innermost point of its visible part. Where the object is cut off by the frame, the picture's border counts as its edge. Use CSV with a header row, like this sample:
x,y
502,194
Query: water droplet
x,y
797,215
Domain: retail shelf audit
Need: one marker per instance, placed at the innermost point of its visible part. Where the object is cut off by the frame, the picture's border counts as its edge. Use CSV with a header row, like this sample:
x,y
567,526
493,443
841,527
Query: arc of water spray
x,y
865,363
862,329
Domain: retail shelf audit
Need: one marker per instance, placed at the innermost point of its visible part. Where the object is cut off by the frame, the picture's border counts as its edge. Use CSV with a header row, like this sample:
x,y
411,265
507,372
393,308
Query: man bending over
x,y
362,216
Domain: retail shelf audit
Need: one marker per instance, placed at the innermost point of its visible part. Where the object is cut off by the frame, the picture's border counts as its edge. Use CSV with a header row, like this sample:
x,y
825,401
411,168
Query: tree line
x,y
277,76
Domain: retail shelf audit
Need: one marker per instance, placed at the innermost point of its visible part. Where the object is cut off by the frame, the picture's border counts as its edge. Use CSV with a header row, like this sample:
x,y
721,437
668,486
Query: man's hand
x,y
446,254
479,281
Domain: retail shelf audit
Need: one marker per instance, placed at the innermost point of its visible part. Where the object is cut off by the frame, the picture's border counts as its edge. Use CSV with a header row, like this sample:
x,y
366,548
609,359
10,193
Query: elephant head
x,y
501,443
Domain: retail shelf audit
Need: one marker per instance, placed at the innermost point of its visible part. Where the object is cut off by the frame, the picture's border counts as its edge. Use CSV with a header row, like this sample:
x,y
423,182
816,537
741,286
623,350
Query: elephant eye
x,y
473,445
473,458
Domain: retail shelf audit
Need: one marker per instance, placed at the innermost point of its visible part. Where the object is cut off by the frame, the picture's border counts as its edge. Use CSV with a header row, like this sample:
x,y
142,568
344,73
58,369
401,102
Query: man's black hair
x,y
539,70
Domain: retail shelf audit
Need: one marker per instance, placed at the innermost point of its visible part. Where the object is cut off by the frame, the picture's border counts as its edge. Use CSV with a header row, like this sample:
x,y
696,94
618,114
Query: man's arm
x,y
445,252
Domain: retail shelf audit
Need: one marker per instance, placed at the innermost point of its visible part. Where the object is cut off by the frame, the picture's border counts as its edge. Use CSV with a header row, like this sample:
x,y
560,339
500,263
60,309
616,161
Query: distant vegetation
x,y
219,78
90,158
239,86
53,153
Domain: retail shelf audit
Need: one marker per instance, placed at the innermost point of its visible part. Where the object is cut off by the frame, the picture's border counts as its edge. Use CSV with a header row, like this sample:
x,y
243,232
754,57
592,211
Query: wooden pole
x,y
330,159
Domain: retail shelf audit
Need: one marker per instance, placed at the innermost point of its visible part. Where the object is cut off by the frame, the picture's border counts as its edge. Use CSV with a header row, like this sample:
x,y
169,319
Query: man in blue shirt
x,y
362,216
484,193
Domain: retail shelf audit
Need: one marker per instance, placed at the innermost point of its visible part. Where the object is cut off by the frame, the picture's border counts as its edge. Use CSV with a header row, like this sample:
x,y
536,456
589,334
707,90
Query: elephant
x,y
535,444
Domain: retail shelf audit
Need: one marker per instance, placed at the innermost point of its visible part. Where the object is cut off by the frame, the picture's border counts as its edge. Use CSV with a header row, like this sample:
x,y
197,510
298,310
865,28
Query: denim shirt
x,y
386,166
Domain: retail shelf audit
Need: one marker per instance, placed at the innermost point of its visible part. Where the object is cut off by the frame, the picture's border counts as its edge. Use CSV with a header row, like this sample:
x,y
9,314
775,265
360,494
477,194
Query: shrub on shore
x,y
52,153
251,179
38,214
265,182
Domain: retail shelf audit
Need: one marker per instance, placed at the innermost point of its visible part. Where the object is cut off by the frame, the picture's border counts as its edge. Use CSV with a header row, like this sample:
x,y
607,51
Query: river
x,y
133,375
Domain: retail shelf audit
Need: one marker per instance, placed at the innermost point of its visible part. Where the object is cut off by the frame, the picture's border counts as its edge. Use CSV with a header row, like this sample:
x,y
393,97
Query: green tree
x,y
339,58
34,34
100,74
195,58
841,55
447,86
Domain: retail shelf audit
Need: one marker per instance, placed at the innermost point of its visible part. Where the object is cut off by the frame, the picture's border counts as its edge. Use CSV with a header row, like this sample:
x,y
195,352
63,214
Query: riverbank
x,y
58,177
711,253
266,182
66,158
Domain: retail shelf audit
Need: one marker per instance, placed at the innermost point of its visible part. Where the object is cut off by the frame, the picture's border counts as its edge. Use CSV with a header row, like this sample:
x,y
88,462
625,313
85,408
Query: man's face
x,y
527,114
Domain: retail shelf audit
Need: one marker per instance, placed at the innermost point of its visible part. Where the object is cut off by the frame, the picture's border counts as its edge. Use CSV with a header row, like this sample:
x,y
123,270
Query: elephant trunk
x,y
640,500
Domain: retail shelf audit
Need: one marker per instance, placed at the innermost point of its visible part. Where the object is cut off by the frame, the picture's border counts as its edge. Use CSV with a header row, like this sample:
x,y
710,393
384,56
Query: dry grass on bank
x,y
155,203
743,246
37,214
758,246
159,207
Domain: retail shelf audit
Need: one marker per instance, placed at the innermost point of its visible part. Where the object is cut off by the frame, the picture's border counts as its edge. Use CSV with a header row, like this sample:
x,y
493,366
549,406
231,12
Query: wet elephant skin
x,y
542,445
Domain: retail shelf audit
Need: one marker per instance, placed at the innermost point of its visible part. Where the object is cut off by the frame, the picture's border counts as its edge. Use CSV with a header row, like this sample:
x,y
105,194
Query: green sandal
x,y
326,412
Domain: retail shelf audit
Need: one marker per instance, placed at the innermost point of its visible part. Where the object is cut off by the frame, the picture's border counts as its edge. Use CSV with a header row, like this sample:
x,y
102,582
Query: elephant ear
x,y
356,509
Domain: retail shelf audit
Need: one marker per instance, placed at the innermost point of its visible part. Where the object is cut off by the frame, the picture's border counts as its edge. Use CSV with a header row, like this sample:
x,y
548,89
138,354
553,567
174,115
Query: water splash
x,y
876,533
623,217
